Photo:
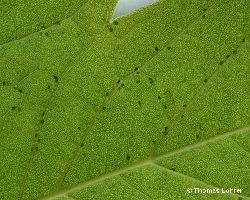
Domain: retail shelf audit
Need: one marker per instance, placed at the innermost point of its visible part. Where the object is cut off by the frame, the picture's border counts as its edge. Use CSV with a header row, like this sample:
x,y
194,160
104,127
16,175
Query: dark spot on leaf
x,y
116,23
168,48
165,132
221,62
173,169
4,83
79,128
204,9
156,48
121,86
151,81
136,69
42,121
197,136
185,105
111,29
118,81
20,90
128,157
13,108
55,78
235,52
138,81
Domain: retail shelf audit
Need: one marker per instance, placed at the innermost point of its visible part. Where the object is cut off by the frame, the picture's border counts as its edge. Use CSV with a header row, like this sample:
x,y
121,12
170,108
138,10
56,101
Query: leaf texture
x,y
143,107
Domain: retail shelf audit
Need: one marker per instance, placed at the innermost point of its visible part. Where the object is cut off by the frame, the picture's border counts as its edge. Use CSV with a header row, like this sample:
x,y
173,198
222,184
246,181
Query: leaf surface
x,y
143,107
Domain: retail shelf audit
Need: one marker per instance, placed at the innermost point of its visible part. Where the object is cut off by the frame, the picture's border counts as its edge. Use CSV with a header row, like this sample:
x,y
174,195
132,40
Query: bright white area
x,y
125,7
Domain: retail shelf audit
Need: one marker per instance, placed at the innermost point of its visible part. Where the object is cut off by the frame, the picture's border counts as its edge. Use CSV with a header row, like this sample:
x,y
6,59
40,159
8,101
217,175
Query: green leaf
x,y
143,107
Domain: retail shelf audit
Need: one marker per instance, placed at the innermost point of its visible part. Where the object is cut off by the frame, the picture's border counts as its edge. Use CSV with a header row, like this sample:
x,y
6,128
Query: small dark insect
x,y
156,48
36,148
227,56
168,48
221,62
48,87
235,52
81,144
79,128
39,140
197,136
111,29
139,102
55,78
243,39
151,81
128,157
173,169
118,81
115,22
20,90
159,97
204,9
43,27
165,107
138,81
46,34
32,148
185,105
106,93
4,83
136,69
43,113
153,141
36,135
13,108
103,108
165,130
203,16
205,80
